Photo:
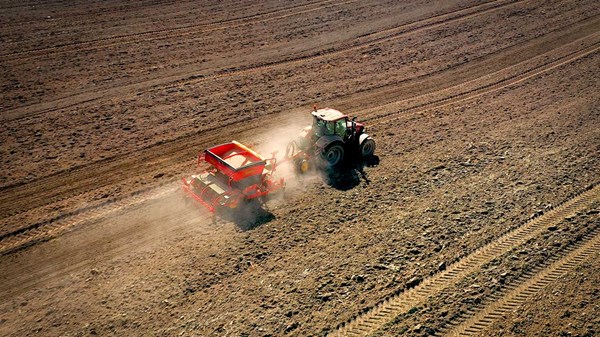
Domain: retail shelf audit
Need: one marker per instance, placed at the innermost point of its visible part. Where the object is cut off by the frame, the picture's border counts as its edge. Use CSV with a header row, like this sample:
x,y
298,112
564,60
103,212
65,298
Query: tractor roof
x,y
327,114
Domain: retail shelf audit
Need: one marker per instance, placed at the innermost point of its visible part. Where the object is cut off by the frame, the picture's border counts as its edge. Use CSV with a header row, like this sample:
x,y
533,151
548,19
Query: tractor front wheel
x,y
367,148
333,154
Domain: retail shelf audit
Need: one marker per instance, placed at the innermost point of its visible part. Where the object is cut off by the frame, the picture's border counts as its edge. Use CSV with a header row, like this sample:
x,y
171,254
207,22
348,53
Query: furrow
x,y
40,233
167,33
176,80
529,73
30,202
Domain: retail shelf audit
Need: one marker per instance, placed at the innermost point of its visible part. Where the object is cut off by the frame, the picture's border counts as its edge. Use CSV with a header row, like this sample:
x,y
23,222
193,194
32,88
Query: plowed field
x,y
479,214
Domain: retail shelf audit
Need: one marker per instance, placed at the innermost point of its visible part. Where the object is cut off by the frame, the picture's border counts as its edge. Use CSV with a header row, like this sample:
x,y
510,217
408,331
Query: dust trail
x,y
274,143
141,228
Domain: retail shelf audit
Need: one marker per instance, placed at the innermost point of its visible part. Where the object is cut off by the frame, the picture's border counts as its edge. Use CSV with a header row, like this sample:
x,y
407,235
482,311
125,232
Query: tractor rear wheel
x,y
367,148
333,154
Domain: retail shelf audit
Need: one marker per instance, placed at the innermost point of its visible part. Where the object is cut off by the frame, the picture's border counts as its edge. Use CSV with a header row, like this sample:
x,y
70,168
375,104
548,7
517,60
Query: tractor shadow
x,y
350,174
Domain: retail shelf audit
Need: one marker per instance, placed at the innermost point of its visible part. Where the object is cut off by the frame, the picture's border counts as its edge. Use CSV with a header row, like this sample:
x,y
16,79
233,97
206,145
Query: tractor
x,y
332,137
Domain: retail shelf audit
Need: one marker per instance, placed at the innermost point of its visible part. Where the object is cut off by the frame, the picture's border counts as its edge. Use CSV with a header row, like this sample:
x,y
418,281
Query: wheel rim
x,y
333,155
304,166
368,148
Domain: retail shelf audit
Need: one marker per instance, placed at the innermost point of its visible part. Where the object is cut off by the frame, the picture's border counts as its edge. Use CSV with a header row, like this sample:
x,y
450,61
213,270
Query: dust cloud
x,y
274,144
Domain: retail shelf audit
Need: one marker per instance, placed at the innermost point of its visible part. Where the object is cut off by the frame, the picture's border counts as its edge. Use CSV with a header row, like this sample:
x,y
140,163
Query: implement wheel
x,y
302,165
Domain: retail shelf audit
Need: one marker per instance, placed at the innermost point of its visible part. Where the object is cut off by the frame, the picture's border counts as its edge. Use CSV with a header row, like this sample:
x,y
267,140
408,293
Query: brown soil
x,y
567,308
484,115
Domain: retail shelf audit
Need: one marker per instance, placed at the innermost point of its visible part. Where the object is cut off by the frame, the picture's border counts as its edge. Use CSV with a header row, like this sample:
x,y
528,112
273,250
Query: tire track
x,y
372,320
179,152
484,318
87,195
45,231
179,79
119,241
166,33
90,186
129,7
56,3
364,42
481,90
33,4
95,204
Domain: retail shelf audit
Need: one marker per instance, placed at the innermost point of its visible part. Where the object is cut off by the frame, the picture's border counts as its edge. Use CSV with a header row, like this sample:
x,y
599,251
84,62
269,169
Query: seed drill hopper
x,y
235,175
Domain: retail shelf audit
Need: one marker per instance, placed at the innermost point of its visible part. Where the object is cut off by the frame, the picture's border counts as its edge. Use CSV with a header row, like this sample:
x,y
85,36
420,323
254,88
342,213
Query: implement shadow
x,y
248,216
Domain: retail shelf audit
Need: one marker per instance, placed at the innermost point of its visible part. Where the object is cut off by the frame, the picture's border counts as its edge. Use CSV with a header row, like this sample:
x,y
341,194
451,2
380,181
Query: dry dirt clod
x,y
413,282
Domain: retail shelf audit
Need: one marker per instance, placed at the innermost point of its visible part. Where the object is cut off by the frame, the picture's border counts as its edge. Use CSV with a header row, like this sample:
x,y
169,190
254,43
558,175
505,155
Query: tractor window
x,y
340,128
322,127
330,128
319,127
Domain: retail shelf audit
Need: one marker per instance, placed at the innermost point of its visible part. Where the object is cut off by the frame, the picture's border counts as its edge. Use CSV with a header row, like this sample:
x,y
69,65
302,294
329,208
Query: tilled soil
x,y
104,100
499,274
562,309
